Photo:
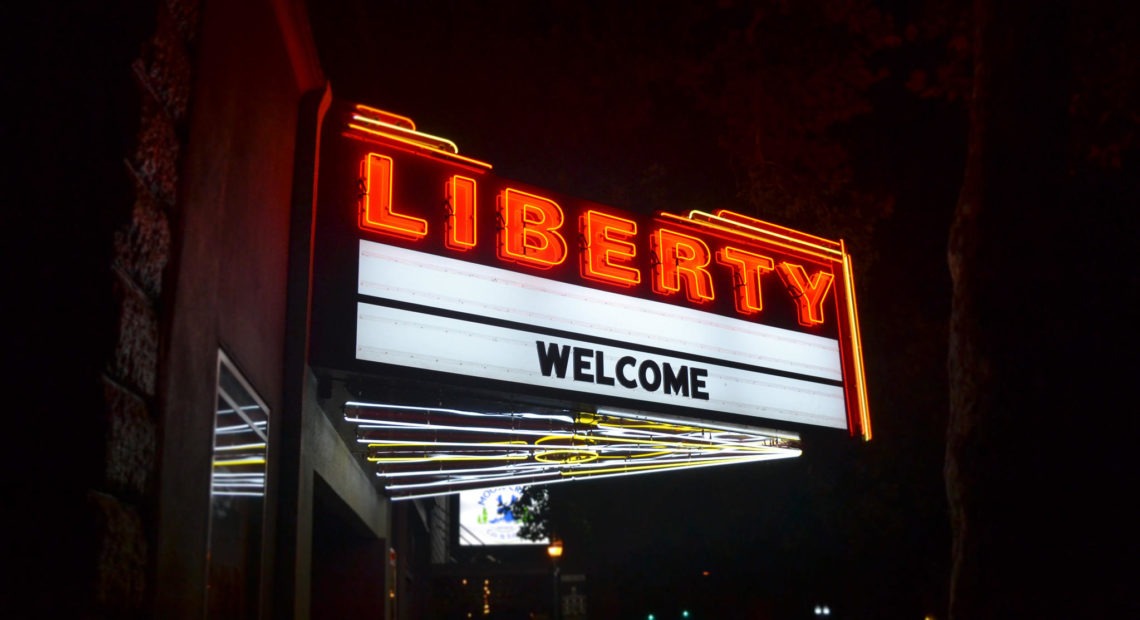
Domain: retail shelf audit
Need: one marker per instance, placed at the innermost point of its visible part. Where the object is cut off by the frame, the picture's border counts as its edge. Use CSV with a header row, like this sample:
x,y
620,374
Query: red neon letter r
x,y
682,258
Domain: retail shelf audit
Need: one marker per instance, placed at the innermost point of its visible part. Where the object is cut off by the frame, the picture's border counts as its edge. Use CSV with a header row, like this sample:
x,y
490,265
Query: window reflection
x,y
237,492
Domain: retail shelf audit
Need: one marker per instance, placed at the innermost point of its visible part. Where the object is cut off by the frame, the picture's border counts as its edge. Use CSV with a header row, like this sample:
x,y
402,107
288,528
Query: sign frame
x,y
356,202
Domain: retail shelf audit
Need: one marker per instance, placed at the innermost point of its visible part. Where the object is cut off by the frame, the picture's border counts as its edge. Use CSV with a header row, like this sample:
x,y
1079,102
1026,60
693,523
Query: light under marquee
x,y
425,451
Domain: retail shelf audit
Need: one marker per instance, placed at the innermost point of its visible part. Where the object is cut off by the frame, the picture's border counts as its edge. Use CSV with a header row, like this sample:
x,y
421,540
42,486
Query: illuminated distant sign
x,y
461,272
485,517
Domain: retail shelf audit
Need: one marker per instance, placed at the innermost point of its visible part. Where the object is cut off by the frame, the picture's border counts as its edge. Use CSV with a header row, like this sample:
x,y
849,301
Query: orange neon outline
x,y
776,229
398,118
809,293
771,234
422,146
511,199
862,402
599,266
800,243
461,226
436,142
381,218
749,267
704,291
730,231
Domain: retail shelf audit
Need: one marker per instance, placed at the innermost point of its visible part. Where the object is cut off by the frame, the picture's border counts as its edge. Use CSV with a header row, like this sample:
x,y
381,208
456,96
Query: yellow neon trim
x,y
740,233
828,247
421,145
253,460
409,444
745,229
752,222
237,447
652,424
679,444
454,457
634,468
575,457
856,346
379,112
453,147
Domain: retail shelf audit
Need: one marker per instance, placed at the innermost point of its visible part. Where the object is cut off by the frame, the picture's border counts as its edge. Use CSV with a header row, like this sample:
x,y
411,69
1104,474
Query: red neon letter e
x,y
681,257
608,246
529,233
808,293
376,204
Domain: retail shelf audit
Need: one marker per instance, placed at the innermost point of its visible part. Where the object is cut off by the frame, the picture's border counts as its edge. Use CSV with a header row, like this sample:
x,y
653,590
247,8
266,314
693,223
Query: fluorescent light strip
x,y
599,439
570,479
514,467
239,485
731,428
240,411
254,460
607,443
367,425
594,467
237,493
520,414
394,447
597,444
242,446
372,423
608,450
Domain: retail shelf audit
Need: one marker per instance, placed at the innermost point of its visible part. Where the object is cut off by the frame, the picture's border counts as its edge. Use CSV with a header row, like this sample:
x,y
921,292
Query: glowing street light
x,y
554,550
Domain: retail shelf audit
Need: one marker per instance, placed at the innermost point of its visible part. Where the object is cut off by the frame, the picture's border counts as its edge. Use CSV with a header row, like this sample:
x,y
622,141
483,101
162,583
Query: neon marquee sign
x,y
465,273
532,231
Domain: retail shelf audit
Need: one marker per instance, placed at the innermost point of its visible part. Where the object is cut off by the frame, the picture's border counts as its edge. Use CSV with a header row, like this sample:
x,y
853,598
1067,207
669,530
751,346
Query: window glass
x,y
237,495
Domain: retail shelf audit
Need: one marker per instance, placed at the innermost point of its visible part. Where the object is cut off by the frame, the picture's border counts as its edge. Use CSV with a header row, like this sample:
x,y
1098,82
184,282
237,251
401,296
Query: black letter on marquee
x,y
623,363
697,376
582,364
552,358
677,383
600,364
641,373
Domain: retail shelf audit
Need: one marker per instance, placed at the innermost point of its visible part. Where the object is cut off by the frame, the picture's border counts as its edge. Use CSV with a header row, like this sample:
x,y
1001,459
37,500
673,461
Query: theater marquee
x,y
428,262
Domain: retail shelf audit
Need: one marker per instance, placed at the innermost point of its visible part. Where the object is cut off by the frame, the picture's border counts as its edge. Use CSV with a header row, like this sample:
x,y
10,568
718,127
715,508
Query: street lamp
x,y
554,550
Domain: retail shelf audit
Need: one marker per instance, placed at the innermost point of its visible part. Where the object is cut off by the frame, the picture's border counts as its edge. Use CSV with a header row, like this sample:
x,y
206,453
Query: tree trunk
x,y
1038,368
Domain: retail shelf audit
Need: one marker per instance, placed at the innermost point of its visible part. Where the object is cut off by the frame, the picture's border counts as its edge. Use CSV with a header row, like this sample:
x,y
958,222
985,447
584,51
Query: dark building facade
x,y
181,463
176,454
183,293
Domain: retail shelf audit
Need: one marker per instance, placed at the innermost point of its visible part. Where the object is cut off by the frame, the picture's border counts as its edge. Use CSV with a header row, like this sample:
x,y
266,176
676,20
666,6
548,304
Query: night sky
x,y
844,118
842,124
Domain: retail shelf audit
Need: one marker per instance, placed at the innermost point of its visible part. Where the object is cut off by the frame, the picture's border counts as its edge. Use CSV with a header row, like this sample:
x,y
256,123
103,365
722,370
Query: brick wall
x,y
122,502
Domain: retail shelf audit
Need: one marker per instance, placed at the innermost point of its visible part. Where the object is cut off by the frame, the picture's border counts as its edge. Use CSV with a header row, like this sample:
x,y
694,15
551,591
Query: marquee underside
x,y
425,451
